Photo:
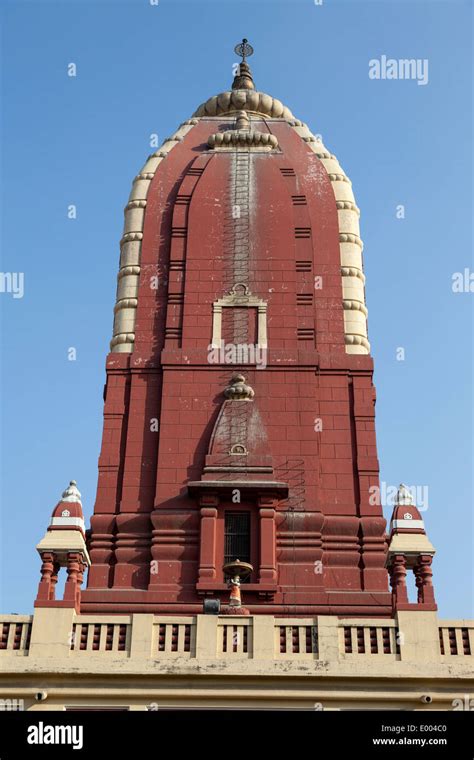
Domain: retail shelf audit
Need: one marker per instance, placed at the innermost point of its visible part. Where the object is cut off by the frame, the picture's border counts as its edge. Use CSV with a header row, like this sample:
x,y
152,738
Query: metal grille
x,y
237,536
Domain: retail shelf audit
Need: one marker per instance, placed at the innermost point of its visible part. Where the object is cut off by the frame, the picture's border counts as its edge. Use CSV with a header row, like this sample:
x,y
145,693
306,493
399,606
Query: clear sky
x,y
143,69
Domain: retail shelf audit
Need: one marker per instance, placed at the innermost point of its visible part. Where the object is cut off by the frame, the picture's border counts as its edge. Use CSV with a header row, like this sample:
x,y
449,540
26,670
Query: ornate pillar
x,y
398,574
423,575
73,567
267,569
54,580
80,579
207,553
47,571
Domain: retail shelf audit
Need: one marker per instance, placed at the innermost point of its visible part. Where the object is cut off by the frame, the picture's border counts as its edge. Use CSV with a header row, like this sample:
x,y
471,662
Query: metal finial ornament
x,y
243,76
244,49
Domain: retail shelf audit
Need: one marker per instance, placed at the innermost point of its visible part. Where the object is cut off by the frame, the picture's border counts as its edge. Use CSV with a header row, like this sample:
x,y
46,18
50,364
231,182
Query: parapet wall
x,y
142,661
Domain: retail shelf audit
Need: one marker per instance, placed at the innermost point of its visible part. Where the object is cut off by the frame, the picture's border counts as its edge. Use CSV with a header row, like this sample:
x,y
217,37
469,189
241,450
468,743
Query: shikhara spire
x,y
236,217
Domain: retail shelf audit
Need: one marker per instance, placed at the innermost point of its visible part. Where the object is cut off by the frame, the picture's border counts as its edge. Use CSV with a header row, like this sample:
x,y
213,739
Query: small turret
x,y
63,545
409,549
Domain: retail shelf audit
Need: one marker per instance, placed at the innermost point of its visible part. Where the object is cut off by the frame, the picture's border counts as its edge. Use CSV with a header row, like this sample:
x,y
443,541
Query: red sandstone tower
x,y
239,404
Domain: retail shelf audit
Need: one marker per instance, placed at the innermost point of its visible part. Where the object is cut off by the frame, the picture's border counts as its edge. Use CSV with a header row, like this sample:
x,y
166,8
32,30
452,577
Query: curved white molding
x,y
357,340
242,138
130,245
345,237
353,272
128,270
350,244
355,306
347,206
244,100
126,303
122,338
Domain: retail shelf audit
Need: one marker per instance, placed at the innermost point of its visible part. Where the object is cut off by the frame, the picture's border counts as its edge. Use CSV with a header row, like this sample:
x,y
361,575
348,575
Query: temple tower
x,y
239,415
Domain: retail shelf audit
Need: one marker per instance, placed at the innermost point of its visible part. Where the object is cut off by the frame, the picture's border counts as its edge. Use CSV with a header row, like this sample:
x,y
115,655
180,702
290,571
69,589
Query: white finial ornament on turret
x,y
71,493
404,497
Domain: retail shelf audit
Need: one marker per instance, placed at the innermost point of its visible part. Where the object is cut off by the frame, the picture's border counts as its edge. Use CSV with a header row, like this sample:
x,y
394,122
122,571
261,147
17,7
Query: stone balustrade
x,y
230,637
145,661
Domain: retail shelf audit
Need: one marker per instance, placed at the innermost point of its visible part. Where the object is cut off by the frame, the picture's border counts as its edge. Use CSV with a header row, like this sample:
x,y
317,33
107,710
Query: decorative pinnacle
x,y
243,77
404,497
244,49
71,493
238,390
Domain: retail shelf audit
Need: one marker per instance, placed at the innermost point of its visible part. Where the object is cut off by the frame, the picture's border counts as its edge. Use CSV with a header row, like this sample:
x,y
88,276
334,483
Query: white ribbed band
x,y
68,522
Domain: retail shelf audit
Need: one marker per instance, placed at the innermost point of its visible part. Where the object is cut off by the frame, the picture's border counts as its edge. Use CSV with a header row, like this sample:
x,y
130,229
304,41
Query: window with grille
x,y
237,536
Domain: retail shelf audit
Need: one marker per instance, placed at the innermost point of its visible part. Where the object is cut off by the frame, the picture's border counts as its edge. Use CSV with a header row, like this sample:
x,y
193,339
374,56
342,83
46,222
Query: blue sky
x,y
144,69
